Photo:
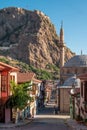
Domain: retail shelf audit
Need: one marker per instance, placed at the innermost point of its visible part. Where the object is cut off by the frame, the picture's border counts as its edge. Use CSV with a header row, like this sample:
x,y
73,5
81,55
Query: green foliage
x,y
55,71
51,71
4,60
24,66
52,67
44,75
19,95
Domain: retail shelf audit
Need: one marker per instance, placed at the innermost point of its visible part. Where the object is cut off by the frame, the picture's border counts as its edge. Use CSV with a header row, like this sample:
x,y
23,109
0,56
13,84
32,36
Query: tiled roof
x,y
4,66
25,77
77,61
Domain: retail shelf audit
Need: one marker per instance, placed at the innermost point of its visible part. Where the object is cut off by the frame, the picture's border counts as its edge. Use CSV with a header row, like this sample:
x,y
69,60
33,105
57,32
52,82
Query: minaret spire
x,y
62,50
81,52
62,24
62,46
61,33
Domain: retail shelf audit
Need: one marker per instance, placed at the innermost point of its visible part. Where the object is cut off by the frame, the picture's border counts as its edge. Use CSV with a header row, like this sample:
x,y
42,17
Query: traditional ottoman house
x,y
35,88
6,73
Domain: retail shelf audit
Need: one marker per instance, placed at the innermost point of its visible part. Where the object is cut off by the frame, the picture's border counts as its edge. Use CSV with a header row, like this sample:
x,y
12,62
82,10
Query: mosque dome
x,y
72,80
77,61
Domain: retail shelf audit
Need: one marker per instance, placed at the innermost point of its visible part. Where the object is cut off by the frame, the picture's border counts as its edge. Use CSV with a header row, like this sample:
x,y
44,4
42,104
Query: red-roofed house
x,y
5,78
25,77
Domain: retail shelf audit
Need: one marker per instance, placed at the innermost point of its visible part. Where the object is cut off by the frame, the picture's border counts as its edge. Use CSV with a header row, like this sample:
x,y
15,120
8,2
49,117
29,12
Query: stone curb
x,y
11,125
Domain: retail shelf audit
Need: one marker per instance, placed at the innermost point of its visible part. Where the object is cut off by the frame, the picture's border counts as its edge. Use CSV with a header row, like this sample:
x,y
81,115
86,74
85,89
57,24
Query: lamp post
x,y
72,92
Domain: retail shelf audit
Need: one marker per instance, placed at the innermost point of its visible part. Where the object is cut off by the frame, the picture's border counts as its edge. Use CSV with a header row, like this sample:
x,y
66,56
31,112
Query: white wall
x,y
14,74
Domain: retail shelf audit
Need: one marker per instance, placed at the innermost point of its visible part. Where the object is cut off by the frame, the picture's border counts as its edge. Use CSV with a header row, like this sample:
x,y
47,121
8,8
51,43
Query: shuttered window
x,y
4,83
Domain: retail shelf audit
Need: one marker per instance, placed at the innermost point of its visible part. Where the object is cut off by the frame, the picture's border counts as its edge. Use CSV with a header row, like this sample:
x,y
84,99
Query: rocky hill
x,y
29,36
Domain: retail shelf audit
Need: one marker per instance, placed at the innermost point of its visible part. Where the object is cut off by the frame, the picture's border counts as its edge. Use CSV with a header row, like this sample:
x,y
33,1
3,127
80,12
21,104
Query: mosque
x,y
68,73
74,66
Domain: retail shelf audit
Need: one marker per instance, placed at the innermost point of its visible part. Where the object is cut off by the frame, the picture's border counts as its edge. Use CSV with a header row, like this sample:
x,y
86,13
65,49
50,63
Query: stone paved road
x,y
45,120
43,124
46,124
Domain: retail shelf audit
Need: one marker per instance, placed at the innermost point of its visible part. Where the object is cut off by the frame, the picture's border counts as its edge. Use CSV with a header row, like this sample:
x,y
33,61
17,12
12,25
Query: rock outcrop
x,y
29,36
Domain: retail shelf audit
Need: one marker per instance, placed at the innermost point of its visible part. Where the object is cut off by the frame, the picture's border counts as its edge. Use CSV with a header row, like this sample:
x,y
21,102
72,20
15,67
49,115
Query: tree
x,y
19,96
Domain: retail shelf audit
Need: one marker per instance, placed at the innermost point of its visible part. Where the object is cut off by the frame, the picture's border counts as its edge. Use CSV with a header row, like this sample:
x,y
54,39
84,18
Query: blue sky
x,y
72,12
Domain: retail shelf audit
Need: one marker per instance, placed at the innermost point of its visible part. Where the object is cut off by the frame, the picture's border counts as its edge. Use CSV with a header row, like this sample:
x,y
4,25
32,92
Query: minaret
x,y
62,46
81,52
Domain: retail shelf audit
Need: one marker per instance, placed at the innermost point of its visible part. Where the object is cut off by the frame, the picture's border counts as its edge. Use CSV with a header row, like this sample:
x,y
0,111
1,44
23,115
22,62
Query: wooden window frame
x,y
3,83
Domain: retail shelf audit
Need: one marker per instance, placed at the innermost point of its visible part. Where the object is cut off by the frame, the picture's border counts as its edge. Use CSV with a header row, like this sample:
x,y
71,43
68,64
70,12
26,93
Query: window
x,y
3,83
12,78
